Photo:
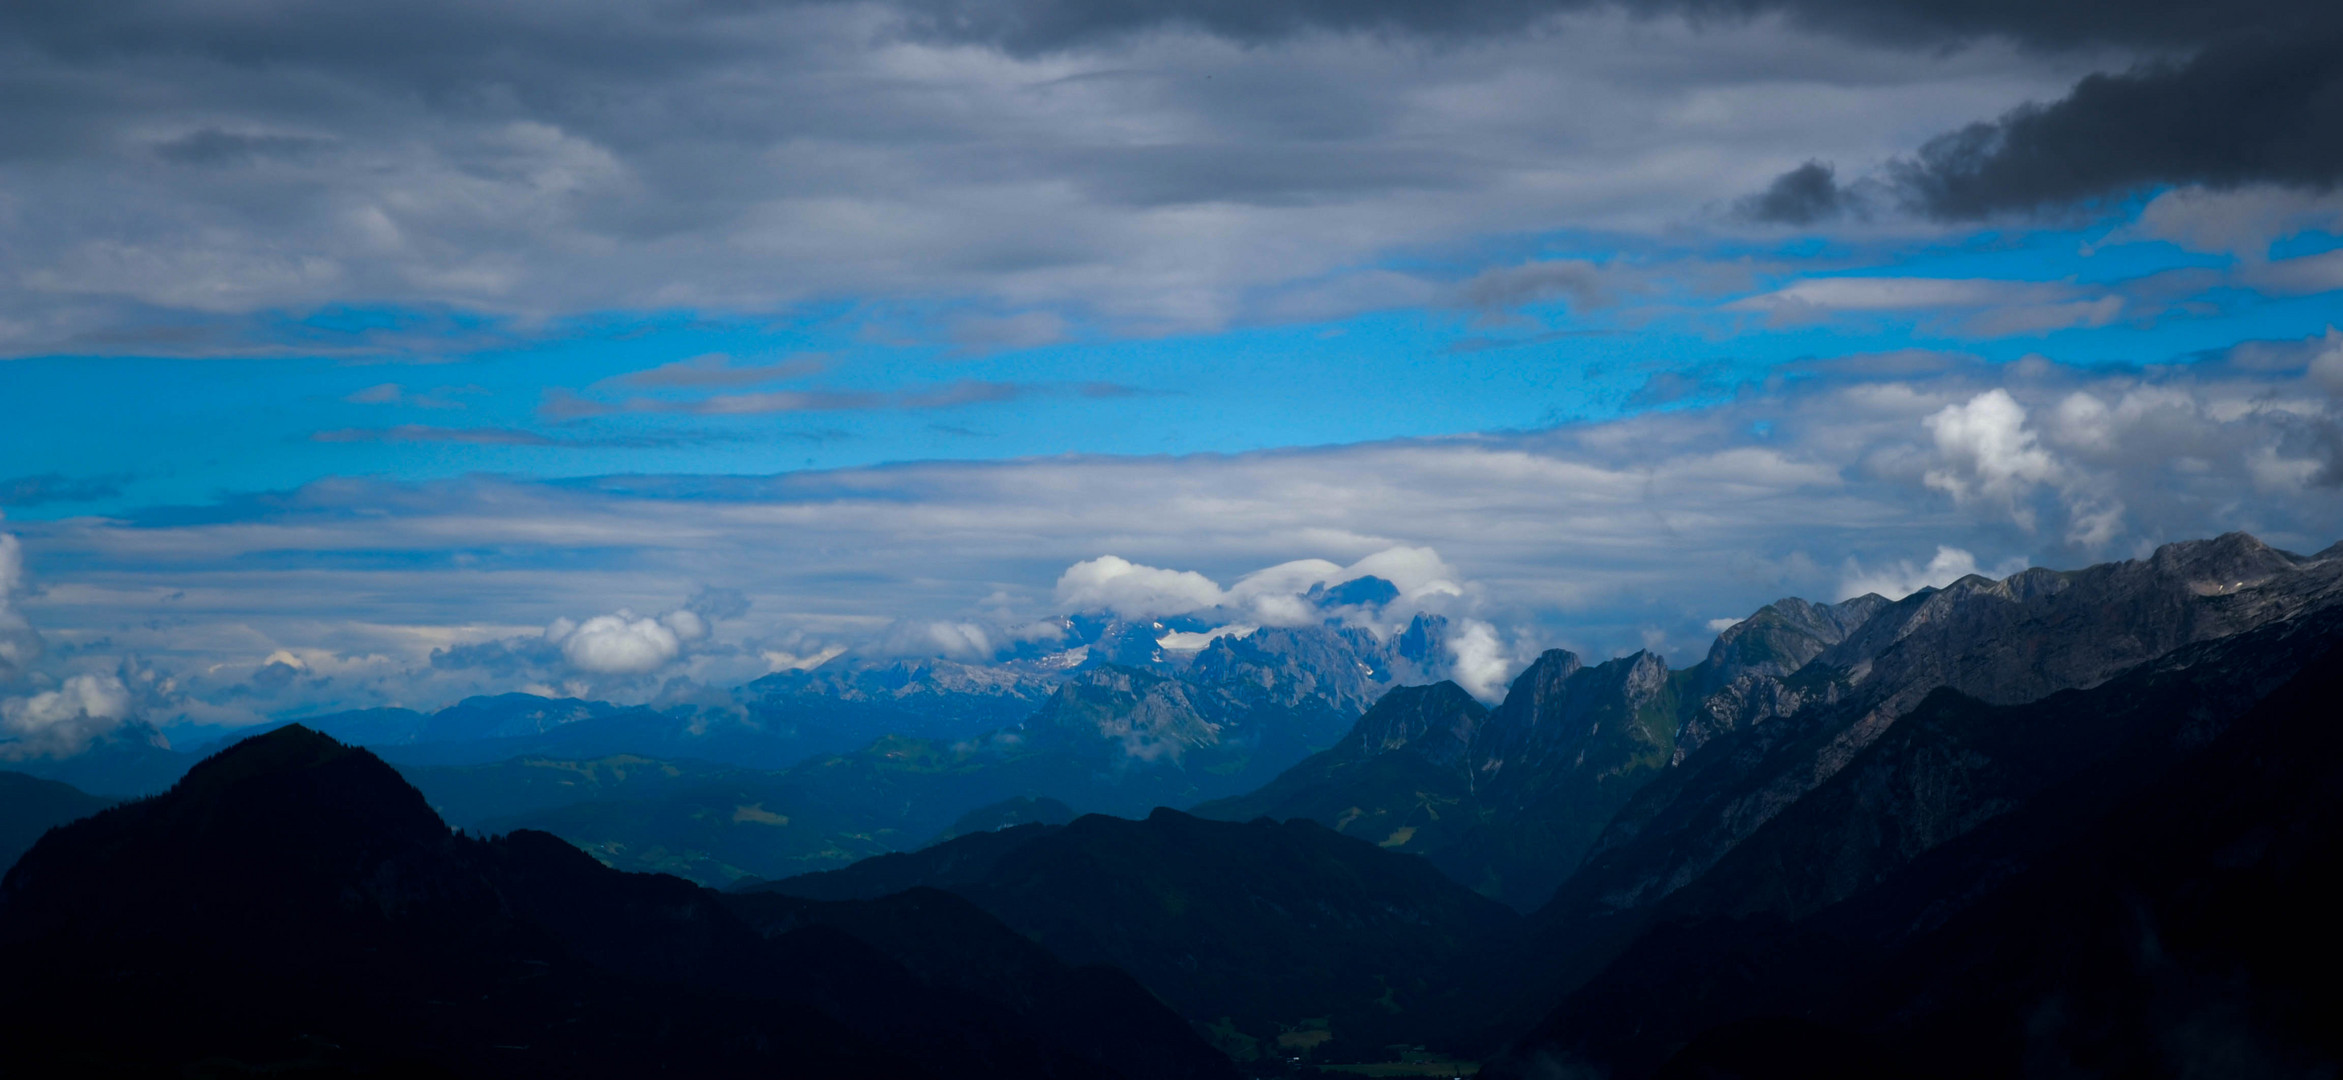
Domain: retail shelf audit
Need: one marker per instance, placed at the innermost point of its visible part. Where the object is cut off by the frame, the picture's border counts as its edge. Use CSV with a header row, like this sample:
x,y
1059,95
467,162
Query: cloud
x,y
1479,661
204,175
2240,221
1046,25
2253,106
20,646
1021,330
213,147
619,644
1585,536
2326,369
1988,452
1902,579
955,640
421,433
2260,106
49,488
1111,583
718,369
1581,282
443,397
61,722
561,405
1982,307
487,436
1807,195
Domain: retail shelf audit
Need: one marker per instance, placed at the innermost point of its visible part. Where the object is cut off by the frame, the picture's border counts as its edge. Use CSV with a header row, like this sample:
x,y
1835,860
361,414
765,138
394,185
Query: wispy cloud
x,y
717,369
566,405
492,436
47,488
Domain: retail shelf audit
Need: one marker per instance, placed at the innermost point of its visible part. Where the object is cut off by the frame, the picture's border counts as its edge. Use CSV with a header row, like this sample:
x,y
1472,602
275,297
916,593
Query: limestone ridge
x,y
1740,683
2000,642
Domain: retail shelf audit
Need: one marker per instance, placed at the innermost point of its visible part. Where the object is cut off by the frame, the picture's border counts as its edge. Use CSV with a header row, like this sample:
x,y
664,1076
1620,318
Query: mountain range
x,y
2060,823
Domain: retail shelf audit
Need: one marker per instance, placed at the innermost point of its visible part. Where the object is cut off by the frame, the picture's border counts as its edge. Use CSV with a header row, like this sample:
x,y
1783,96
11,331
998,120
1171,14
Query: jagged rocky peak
x,y
2074,628
1558,704
1782,636
1152,716
1291,666
1435,722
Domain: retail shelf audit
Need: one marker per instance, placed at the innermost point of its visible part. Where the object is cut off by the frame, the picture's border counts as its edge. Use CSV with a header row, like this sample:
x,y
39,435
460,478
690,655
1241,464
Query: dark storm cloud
x,y
1805,195
2231,95
2259,108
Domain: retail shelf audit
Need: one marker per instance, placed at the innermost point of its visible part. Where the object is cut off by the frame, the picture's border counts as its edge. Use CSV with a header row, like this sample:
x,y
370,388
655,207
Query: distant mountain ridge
x,y
31,806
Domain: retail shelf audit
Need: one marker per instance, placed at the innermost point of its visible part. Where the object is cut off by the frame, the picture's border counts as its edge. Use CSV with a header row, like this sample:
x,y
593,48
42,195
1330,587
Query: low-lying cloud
x,y
62,722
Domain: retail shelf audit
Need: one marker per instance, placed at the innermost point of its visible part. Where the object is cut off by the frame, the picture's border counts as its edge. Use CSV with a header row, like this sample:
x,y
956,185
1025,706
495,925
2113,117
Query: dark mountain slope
x,y
946,941
317,918
30,806
2089,880
1279,935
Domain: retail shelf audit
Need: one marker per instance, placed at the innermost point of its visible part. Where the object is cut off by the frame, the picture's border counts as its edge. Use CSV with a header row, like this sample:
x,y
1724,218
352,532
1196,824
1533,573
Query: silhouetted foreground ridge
x,y
292,907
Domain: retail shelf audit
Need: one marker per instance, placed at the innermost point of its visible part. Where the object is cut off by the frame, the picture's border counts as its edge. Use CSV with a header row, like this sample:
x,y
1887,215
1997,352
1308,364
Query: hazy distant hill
x,y
30,806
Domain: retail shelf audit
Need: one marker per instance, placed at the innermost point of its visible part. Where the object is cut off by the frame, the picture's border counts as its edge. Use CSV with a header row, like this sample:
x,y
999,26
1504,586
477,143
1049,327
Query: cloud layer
x,y
205,169
1860,474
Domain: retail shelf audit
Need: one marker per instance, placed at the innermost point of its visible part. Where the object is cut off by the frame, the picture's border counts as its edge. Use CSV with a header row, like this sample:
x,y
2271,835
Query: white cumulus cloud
x,y
1989,453
619,644
1111,583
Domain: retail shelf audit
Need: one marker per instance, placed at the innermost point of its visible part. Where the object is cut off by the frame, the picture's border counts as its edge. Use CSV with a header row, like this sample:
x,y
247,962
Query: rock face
x,y
1740,683
292,906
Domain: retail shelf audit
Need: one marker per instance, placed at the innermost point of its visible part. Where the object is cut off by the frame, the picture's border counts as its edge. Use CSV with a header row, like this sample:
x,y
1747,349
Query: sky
x,y
388,353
